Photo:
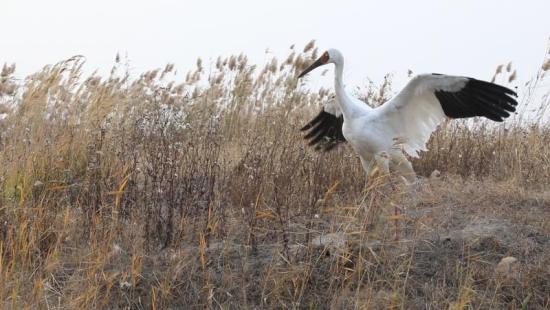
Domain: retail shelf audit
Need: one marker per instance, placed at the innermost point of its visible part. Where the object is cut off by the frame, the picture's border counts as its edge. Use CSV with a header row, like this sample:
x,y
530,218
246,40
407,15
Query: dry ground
x,y
139,193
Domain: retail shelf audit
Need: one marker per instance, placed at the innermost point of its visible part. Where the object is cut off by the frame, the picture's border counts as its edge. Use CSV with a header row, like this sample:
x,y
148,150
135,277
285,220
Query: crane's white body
x,y
402,126
376,142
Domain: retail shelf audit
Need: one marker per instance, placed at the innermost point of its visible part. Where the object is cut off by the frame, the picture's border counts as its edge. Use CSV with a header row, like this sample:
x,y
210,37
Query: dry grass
x,y
124,192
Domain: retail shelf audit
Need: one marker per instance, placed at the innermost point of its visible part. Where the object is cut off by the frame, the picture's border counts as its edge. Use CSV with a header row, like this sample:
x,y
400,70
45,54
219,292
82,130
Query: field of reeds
x,y
154,192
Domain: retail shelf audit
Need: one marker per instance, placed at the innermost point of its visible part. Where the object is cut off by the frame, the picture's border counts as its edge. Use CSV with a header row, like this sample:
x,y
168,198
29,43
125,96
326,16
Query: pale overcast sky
x,y
466,37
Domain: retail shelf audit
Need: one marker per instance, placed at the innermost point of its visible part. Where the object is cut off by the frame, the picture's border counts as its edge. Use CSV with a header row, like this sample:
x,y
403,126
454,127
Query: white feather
x,y
413,114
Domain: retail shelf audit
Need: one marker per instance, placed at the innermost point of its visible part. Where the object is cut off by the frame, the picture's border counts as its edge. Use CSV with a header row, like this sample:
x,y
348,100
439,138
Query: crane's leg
x,y
383,160
403,167
367,166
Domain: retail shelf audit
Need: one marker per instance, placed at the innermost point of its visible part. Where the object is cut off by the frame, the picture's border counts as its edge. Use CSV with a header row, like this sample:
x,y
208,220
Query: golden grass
x,y
144,193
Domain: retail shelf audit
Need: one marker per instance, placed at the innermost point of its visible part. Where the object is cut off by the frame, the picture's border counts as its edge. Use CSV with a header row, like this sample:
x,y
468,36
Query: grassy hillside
x,y
140,192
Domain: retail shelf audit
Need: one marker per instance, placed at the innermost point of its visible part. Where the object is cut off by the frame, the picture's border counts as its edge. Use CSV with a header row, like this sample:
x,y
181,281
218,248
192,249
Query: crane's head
x,y
331,56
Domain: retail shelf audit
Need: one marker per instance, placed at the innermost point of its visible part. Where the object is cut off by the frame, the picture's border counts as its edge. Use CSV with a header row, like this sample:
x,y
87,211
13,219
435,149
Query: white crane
x,y
383,135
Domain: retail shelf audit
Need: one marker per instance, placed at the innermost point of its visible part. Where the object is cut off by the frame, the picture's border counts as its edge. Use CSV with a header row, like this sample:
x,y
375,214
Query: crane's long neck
x,y
350,108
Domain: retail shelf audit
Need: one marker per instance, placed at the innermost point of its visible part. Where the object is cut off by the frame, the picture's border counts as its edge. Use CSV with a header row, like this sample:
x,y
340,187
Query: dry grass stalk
x,y
143,193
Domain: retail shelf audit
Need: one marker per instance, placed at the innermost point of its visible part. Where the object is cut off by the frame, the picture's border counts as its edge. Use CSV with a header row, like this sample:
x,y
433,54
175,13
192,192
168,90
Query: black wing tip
x,y
479,98
493,86
314,121
324,131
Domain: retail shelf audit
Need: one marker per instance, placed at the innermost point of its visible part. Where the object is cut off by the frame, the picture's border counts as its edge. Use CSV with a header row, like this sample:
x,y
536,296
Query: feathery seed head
x,y
290,59
314,54
509,67
309,46
7,70
168,68
232,63
199,64
273,65
512,77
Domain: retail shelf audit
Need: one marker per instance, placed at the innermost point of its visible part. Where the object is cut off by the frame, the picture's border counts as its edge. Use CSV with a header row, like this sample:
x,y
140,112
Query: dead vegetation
x,y
124,192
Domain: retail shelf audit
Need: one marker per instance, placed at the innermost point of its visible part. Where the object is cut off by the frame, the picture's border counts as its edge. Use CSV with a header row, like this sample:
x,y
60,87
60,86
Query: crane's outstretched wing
x,y
414,113
325,130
